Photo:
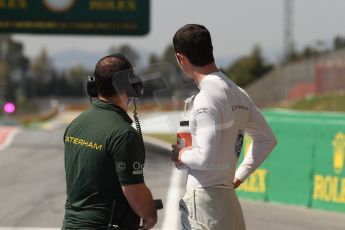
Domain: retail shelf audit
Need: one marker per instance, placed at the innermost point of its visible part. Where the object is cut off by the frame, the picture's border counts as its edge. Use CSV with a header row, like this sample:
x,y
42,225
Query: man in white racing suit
x,y
222,113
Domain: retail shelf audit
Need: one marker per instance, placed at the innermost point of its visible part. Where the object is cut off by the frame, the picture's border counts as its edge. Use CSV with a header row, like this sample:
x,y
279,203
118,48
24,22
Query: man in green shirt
x,y
104,156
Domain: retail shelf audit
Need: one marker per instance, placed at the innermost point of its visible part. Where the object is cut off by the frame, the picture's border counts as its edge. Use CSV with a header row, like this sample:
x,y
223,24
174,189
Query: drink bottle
x,y
184,136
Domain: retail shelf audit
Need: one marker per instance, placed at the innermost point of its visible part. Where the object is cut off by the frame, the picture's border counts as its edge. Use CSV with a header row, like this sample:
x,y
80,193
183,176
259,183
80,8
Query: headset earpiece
x,y
127,80
91,87
138,89
122,81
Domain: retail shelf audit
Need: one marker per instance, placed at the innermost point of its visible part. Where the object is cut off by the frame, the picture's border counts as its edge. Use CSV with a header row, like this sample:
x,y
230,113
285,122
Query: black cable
x,y
136,120
111,226
158,204
138,128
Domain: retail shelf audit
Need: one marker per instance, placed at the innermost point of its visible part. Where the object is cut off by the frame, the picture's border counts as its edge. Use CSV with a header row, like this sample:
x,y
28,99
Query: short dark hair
x,y
105,69
195,42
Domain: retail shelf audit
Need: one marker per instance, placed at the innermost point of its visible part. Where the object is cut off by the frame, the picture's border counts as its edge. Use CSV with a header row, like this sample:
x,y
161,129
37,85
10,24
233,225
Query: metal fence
x,y
296,80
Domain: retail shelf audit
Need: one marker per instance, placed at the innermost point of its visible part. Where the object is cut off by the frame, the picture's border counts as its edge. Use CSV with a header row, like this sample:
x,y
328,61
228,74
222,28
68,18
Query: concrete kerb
x,y
157,142
175,192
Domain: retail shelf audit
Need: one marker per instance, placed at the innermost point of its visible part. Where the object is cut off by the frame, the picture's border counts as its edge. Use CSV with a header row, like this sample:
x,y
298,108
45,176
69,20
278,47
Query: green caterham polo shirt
x,y
102,153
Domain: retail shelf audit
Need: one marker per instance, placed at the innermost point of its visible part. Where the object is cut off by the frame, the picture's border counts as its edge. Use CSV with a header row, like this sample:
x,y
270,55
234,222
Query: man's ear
x,y
182,59
178,57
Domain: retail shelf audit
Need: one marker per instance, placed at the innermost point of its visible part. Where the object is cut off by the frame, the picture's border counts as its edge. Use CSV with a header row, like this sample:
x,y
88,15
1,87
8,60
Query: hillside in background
x,y
297,80
331,101
67,59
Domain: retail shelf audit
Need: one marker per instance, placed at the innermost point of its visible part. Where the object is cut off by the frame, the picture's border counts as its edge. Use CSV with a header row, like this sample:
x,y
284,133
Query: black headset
x,y
123,81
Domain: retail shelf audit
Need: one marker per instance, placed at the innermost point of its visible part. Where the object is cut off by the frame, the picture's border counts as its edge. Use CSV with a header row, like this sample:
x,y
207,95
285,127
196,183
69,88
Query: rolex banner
x,y
89,17
329,172
307,167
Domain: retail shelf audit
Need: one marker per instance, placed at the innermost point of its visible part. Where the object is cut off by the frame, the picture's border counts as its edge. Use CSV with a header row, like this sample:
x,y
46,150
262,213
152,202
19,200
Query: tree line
x,y
22,79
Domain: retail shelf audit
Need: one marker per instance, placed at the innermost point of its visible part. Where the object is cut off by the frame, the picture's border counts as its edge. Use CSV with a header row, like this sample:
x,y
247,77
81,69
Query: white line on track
x,y
172,213
171,219
9,140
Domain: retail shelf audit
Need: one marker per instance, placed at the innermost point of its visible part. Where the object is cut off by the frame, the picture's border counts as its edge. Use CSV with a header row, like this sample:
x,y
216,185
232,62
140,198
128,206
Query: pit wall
x,y
307,167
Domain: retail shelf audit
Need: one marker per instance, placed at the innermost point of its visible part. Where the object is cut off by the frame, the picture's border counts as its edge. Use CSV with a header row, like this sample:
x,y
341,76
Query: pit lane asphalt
x,y
32,188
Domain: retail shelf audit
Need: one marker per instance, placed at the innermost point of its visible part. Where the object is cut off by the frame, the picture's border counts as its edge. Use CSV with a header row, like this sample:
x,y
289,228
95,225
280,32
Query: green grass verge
x,y
334,101
167,137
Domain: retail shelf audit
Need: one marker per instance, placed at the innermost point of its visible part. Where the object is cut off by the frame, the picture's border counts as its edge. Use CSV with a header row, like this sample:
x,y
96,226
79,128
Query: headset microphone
x,y
91,86
122,81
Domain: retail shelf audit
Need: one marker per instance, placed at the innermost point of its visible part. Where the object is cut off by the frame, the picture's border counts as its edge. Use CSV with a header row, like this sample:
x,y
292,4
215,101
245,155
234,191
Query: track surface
x,y
32,189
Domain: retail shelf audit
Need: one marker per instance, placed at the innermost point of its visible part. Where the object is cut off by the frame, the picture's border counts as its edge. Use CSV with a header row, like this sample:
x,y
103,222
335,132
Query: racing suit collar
x,y
208,76
100,104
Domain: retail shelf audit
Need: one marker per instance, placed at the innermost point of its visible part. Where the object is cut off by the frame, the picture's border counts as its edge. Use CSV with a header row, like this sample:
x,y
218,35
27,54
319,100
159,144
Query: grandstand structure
x,y
297,80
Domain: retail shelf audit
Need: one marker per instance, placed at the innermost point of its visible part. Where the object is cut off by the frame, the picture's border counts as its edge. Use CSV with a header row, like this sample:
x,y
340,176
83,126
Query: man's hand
x,y
140,199
148,224
175,153
236,183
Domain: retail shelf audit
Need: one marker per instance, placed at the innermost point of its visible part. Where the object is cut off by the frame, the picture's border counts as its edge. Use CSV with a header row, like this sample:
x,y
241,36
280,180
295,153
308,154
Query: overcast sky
x,y
235,26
